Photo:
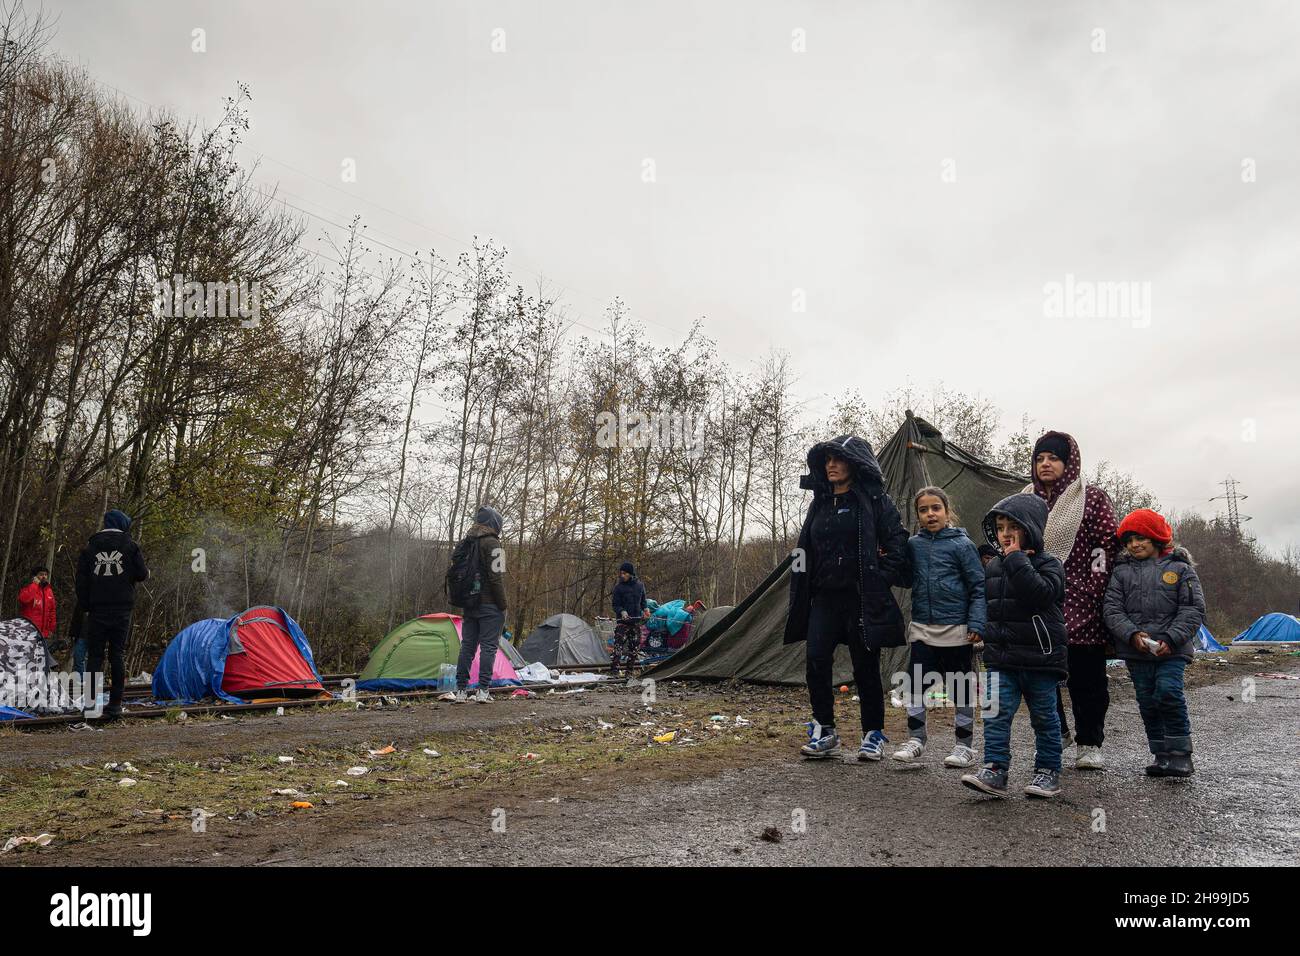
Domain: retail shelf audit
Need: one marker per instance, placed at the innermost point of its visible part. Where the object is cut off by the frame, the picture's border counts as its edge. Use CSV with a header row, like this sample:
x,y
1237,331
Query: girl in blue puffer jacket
x,y
948,615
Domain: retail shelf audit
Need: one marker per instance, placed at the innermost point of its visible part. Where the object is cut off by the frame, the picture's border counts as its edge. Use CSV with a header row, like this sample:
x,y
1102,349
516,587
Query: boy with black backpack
x,y
475,583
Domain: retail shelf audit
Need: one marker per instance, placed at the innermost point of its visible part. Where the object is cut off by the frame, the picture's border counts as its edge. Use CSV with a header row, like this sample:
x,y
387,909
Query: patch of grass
x,y
87,802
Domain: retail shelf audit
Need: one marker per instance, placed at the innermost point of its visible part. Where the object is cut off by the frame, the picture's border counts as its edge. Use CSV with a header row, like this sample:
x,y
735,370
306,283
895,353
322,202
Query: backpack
x,y
464,578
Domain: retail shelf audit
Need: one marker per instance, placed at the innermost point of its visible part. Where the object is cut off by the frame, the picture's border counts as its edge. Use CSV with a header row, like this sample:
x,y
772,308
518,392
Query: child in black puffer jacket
x,y
1024,645
1153,609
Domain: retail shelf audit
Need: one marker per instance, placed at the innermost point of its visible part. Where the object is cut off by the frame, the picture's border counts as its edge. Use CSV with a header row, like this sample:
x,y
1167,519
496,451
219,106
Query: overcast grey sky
x,y
922,171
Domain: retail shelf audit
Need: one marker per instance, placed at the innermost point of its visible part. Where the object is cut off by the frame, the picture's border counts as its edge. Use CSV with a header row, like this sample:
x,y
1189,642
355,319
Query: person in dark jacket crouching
x,y
629,611
108,569
1024,645
1154,608
852,548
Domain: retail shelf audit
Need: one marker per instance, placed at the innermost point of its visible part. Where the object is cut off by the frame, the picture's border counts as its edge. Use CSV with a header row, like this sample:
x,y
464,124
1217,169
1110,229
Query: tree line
x,y
297,419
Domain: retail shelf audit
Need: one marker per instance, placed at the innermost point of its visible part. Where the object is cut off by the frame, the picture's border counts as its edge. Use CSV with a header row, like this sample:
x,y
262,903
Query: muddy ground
x,y
579,778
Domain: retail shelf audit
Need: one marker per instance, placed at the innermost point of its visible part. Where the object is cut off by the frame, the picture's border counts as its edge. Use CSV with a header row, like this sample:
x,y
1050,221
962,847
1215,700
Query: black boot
x,y
1180,765
1159,766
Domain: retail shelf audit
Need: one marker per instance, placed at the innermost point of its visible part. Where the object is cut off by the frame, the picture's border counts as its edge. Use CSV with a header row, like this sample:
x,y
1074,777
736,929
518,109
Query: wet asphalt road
x,y
1241,808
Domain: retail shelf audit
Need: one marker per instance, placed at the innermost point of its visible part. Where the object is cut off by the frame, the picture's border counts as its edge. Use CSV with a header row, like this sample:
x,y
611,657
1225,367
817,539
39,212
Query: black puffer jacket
x,y
879,529
1025,594
1162,596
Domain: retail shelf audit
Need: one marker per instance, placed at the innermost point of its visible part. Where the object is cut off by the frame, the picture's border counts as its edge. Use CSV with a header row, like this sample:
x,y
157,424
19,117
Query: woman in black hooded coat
x,y
852,549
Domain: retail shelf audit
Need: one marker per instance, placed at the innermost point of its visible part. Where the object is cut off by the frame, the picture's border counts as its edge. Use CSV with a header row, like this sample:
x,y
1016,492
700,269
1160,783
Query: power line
x,y
1231,496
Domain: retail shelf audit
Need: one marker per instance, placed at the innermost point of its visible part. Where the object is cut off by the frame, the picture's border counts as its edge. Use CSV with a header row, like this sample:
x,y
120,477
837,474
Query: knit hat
x,y
118,520
489,516
627,566
1056,443
1148,524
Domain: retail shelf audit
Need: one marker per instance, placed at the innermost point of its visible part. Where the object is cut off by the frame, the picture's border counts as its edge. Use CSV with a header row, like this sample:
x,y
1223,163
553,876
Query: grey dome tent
x,y
565,640
746,643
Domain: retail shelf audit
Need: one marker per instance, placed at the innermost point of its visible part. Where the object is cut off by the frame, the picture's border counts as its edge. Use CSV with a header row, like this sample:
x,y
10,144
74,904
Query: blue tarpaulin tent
x,y
1205,641
1270,629
194,665
9,713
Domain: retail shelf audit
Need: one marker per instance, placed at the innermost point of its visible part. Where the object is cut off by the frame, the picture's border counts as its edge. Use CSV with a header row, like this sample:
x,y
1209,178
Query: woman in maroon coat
x,y
1081,529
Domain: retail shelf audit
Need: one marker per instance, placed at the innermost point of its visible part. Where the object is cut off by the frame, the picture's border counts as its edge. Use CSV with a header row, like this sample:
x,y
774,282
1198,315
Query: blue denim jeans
x,y
1005,691
1159,687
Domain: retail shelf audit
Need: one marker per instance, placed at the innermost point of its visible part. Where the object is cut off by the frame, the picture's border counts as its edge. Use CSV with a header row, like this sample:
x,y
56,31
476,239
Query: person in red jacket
x,y
36,602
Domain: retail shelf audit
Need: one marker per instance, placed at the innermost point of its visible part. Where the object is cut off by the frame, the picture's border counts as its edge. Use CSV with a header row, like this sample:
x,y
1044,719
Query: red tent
x,y
263,660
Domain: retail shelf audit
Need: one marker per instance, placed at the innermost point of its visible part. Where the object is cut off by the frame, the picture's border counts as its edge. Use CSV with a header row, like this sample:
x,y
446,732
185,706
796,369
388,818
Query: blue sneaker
x,y
822,741
873,746
991,779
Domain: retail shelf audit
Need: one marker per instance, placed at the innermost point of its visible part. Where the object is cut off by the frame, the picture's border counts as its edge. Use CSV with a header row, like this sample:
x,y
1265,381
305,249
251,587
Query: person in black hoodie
x,y
1024,645
852,548
629,610
108,569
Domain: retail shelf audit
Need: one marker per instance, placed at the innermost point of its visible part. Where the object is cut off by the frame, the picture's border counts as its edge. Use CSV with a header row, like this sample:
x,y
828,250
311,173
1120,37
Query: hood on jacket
x,y
1028,511
117,520
1073,469
856,451
487,515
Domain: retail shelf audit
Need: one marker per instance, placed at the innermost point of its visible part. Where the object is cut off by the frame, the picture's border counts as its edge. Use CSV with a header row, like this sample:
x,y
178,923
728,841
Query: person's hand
x,y
973,638
1137,640
622,614
1012,545
1164,650
645,612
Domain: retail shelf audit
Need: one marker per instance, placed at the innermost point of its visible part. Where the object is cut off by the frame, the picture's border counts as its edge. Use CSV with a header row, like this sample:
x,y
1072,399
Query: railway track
x,y
37,723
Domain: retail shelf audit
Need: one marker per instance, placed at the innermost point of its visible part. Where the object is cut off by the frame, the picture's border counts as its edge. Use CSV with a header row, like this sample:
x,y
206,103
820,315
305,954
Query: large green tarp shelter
x,y
746,644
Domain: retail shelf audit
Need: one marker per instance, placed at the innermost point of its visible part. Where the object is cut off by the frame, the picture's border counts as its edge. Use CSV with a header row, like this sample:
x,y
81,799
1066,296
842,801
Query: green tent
x,y
411,656
746,643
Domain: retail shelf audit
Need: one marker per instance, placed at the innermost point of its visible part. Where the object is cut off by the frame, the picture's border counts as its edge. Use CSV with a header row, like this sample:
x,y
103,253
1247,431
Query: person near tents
x,y
476,584
630,610
36,602
852,549
1154,609
1025,641
948,615
108,569
1080,532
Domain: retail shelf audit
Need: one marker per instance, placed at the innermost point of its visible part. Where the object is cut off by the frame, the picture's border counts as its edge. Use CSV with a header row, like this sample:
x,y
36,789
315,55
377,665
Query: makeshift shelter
x,y
565,640
1275,628
1206,643
747,642
259,654
411,656
708,617
24,660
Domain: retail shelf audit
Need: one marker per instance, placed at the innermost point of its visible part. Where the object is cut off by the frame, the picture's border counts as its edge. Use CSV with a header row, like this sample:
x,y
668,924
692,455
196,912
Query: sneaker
x,y
822,741
906,753
461,696
873,746
961,756
991,779
1046,783
1159,766
1180,765
483,697
1089,758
